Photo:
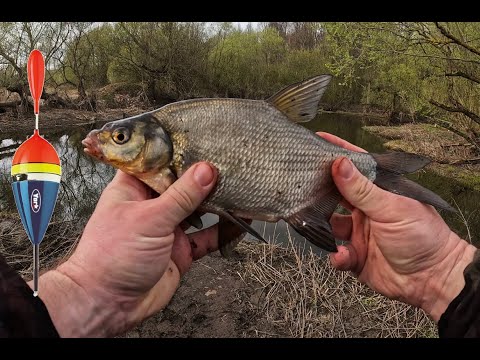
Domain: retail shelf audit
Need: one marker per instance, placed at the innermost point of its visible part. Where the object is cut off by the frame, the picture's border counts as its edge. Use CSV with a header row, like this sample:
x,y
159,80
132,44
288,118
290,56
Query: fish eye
x,y
121,136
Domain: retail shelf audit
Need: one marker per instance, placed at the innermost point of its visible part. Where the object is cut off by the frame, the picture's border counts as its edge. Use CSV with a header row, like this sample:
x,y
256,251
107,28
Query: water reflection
x,y
84,178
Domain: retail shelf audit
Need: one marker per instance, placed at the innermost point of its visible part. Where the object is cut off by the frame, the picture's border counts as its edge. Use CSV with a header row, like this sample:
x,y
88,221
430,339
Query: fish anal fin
x,y
299,101
313,222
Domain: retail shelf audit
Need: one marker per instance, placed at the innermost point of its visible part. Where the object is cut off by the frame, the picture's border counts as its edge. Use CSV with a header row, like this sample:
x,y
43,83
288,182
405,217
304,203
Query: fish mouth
x,y
92,147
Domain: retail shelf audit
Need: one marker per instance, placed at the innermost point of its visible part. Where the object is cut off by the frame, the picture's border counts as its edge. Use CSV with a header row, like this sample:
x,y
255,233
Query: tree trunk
x,y
81,89
22,90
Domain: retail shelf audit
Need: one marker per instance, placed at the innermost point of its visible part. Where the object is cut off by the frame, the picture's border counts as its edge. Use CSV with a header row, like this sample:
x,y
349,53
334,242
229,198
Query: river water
x,y
83,178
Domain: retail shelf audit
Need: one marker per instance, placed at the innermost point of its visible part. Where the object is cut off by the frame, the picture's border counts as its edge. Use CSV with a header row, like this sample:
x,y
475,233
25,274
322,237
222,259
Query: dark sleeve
x,y
462,317
21,314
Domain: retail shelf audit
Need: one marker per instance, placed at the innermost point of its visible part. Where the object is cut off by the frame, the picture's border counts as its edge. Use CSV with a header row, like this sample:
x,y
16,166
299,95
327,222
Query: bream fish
x,y
269,166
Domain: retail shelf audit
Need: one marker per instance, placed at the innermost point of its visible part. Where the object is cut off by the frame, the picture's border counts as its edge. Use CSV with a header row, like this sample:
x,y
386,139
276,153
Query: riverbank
x,y
273,291
54,119
264,290
447,150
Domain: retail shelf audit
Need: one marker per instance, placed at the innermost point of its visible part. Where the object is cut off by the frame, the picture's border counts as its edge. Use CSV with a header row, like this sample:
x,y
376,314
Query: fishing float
x,y
36,171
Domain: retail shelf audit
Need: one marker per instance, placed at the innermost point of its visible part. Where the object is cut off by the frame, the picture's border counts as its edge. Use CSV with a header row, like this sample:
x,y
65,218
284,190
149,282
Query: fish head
x,y
135,145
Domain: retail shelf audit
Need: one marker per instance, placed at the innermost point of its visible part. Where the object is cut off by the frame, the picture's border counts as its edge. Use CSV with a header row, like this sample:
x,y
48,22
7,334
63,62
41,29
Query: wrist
x,y
447,278
74,311
78,307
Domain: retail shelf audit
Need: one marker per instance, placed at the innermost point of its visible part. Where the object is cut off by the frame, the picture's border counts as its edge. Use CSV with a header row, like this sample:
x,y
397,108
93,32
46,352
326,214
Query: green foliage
x,y
246,64
169,57
425,70
87,56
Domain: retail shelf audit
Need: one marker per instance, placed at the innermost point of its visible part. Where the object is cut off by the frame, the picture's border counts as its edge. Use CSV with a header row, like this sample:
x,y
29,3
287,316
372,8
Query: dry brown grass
x,y
301,295
429,140
57,245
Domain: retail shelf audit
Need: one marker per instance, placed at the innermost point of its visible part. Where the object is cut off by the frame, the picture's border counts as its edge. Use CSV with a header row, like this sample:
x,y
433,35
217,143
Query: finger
x,y
341,226
204,241
181,251
339,141
345,259
359,191
161,294
359,239
344,203
187,248
183,196
184,225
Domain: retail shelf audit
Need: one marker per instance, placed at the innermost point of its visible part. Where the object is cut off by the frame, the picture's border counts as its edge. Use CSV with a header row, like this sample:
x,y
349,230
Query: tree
x,y
84,61
170,58
17,40
453,51
299,35
246,63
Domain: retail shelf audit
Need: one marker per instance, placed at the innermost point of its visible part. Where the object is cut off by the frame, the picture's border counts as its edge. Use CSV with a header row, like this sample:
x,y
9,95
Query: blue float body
x,y
35,202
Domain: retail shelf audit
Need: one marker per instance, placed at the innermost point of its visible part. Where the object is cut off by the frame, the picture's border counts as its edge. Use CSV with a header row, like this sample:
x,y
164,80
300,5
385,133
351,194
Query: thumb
x,y
184,195
357,189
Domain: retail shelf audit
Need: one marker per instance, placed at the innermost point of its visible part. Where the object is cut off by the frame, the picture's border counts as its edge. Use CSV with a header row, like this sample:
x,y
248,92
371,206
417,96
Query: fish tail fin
x,y
391,166
400,162
313,222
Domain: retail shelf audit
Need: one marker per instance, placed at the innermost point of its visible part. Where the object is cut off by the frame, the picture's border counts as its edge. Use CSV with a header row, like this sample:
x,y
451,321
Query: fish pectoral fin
x,y
229,235
242,224
195,220
299,101
313,222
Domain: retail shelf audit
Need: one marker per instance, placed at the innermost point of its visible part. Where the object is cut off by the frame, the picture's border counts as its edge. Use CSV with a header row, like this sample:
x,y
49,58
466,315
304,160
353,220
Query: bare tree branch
x,y
447,125
464,75
456,40
459,108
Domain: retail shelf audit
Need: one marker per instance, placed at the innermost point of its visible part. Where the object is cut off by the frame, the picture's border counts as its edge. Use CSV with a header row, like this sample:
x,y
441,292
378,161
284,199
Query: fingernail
x,y
345,169
203,174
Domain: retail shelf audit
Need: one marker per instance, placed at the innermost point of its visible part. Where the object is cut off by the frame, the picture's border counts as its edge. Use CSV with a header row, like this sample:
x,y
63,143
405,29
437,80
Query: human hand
x,y
398,246
128,263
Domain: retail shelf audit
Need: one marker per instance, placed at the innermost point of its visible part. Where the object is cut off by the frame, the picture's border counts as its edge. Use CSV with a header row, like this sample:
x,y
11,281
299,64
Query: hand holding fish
x,y
128,263
399,247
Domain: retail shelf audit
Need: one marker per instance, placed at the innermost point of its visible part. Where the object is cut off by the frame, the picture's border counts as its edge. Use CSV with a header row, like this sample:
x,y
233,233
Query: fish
x,y
270,167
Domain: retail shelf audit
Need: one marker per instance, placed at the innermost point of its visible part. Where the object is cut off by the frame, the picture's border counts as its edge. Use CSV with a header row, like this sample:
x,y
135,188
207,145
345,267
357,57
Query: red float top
x,y
36,77
36,150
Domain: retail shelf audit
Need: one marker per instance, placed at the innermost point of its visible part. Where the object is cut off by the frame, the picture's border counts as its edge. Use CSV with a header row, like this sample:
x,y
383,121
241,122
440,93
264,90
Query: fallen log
x,y
475,160
458,144
9,104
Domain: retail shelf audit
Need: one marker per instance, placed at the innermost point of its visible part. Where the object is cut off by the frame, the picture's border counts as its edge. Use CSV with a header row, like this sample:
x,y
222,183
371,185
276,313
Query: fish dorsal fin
x,y
299,101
